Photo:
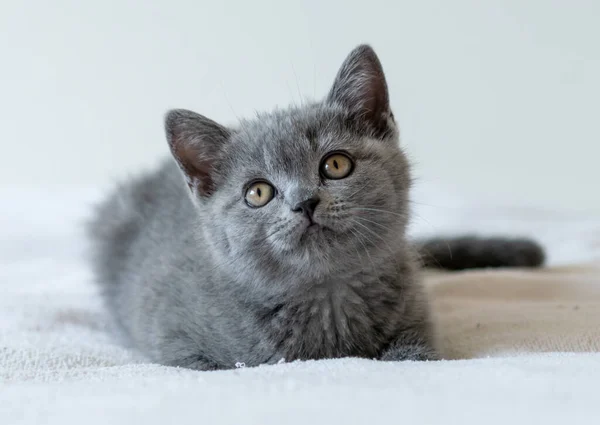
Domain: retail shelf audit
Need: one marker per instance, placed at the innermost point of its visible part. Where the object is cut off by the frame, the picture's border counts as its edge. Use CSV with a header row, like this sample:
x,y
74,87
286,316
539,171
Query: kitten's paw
x,y
409,352
196,363
204,365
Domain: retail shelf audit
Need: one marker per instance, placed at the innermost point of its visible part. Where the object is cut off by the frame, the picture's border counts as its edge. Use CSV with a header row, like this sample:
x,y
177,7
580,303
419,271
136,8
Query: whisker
x,y
364,246
291,93
280,228
426,221
422,251
297,84
375,233
373,222
360,241
380,211
427,205
227,100
396,214
356,249
363,187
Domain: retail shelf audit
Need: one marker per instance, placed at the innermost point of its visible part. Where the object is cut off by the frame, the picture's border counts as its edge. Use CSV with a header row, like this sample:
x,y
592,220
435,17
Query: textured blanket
x,y
499,313
522,346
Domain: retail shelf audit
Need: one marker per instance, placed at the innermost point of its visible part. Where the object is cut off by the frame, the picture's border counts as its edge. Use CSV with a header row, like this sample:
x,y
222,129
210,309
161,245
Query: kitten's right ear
x,y
360,87
196,143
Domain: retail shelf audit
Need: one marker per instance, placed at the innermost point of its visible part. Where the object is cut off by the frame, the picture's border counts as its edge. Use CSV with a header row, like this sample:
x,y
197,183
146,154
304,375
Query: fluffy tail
x,y
471,252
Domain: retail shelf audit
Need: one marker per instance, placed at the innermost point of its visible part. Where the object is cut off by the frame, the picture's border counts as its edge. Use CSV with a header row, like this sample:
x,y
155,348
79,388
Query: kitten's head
x,y
306,191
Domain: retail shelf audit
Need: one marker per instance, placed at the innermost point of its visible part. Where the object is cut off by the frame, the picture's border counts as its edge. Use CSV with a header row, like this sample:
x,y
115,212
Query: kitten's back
x,y
134,218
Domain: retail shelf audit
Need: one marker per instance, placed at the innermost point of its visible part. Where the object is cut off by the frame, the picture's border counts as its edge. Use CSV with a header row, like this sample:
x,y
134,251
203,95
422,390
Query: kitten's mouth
x,y
313,228
314,231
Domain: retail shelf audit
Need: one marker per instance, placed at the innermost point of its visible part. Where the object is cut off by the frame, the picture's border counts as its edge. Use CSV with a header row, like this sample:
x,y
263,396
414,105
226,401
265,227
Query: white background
x,y
494,98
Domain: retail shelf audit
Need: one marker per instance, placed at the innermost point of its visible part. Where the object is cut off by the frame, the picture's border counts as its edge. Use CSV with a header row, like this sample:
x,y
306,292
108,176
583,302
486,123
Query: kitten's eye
x,y
259,194
337,166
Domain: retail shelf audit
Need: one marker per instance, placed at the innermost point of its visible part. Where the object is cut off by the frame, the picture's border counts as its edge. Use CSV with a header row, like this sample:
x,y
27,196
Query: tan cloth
x,y
488,313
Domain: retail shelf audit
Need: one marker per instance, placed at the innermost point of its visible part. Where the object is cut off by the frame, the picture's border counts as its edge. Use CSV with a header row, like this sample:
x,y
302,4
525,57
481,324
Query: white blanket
x,y
59,365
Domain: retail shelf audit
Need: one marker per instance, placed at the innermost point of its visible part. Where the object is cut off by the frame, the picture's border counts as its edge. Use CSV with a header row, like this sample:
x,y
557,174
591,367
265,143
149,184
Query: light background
x,y
493,98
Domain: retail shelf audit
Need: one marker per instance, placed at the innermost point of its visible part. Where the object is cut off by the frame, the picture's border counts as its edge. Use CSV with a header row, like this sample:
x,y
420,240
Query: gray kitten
x,y
283,238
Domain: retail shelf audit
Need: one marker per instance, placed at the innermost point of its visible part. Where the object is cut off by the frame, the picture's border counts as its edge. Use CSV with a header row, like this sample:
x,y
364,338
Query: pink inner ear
x,y
375,98
195,143
196,167
360,85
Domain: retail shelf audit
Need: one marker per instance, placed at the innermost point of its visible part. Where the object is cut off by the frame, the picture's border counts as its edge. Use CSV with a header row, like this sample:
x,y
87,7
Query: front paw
x,y
399,352
196,363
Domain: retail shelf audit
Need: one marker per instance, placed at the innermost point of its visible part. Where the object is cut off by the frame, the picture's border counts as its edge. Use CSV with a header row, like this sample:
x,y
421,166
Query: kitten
x,y
283,238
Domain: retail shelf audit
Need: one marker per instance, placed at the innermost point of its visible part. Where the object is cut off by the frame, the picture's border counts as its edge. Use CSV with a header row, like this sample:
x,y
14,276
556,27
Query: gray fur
x,y
196,278
472,252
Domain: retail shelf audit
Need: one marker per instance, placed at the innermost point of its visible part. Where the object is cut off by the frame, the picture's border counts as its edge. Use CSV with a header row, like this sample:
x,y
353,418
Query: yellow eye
x,y
259,194
337,166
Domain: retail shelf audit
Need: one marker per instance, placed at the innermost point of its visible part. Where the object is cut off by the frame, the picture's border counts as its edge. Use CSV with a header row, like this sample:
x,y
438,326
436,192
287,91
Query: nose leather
x,y
307,207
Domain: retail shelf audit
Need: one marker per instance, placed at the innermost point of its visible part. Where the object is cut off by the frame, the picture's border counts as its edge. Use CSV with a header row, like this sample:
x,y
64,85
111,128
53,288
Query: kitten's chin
x,y
313,228
316,234
309,244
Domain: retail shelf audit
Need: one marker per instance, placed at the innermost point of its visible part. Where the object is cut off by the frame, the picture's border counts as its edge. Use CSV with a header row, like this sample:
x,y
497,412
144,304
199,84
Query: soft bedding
x,y
522,346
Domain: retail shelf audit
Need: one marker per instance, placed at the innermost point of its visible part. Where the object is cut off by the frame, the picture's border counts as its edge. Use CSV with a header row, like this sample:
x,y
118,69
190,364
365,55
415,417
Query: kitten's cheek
x,y
285,240
334,223
282,246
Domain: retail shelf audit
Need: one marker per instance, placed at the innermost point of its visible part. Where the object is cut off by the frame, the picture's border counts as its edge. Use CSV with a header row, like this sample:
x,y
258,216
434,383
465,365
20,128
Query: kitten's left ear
x,y
360,87
196,143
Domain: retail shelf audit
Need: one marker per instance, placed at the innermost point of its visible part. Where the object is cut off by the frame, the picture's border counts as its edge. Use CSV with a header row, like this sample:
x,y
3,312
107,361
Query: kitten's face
x,y
277,162
306,191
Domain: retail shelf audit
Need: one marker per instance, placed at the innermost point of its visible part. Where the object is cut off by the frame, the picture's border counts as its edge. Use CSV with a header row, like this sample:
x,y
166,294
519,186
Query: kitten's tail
x,y
471,252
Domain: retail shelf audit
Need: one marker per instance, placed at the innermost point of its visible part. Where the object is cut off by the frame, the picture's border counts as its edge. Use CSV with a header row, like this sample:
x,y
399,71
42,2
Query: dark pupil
x,y
258,192
335,164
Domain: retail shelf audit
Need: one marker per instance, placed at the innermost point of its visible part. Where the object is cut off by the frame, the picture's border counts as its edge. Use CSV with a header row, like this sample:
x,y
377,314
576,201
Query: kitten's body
x,y
165,291
197,278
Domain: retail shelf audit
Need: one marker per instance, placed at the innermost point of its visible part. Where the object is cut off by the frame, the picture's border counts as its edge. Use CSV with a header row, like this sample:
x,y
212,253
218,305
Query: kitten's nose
x,y
307,207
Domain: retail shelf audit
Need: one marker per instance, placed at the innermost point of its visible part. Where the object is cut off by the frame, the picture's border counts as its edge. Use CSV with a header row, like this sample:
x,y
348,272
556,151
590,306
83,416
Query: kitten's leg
x,y
174,346
411,344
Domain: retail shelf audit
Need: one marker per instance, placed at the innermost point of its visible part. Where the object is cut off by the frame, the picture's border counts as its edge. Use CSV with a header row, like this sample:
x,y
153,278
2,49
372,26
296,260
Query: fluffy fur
x,y
195,277
472,252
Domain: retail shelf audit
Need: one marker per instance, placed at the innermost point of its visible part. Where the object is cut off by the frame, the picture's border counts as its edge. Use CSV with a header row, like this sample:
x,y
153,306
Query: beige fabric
x,y
489,313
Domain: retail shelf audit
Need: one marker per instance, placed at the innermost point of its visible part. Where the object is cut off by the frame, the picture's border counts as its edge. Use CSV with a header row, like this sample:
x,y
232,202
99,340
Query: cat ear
x,y
360,87
196,143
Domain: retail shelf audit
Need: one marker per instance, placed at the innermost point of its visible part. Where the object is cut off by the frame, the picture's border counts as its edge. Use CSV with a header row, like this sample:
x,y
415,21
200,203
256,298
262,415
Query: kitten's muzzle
x,y
307,207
